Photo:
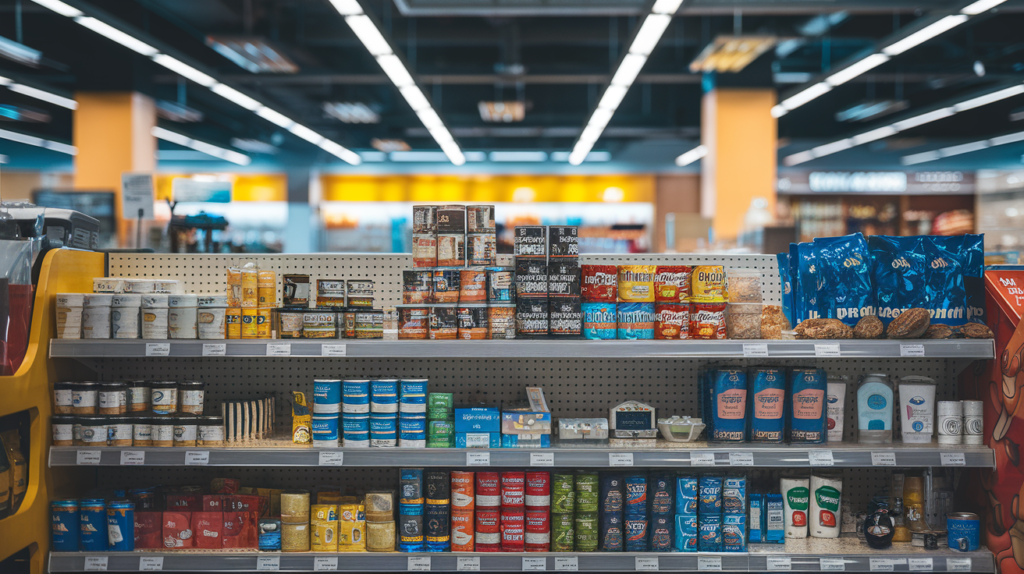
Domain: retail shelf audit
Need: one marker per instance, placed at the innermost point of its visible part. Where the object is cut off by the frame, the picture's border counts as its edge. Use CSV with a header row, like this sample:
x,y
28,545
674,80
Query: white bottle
x,y
874,410
826,503
917,409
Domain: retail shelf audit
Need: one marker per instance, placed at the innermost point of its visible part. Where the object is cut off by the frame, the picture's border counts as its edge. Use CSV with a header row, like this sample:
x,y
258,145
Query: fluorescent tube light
x,y
5,81
980,6
235,96
669,7
60,8
692,156
341,152
857,68
801,98
591,134
368,34
417,101
924,34
778,111
923,119
453,152
964,148
650,34
518,156
274,117
38,142
347,7
395,70
831,148
989,98
870,136
600,118
799,158
306,134
108,31
612,97
44,95
577,156
207,148
1007,139
60,147
429,118
183,69
441,135
923,157
628,70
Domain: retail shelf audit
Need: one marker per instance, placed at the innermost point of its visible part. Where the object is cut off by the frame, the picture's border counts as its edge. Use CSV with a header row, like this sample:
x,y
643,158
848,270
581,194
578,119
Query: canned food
x,y
538,488
586,531
290,323
513,529
417,287
488,526
472,322
263,323
369,324
472,286
451,250
538,529
319,323
501,321
424,219
488,490
565,318
964,531
249,327
451,219
636,283
672,321
462,490
530,241
233,319
513,489
563,242
599,321
480,218
462,531
349,318
480,248
413,322
531,279
424,250
708,284
444,322
330,292
563,280
500,285
446,285
64,525
531,318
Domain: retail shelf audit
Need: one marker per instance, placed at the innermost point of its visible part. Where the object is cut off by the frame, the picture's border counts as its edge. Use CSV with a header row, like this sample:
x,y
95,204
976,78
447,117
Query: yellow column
x,y
741,137
112,134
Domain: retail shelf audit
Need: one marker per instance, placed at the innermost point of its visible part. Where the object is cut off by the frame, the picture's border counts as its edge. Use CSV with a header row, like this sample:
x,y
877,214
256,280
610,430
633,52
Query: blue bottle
x,y
807,412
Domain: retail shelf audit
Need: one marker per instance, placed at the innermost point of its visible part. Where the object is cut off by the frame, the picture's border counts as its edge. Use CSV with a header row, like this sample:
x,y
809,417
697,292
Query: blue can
x,y
686,533
636,534
92,523
355,392
709,527
734,533
326,394
357,436
355,422
661,532
635,321
661,489
709,499
414,392
325,427
412,425
610,537
384,391
636,495
269,534
599,322
964,531
768,389
686,495
734,495
422,435
64,516
121,525
610,492
383,422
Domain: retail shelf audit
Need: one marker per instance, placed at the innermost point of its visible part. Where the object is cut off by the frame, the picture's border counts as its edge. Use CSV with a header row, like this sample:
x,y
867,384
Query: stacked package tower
x,y
412,413
586,523
734,511
437,511
531,279
355,412
548,282
463,504
611,535
564,282
637,513
513,511
326,406
384,413
538,511
686,514
563,509
251,296
661,525
709,514
487,520
410,510
441,422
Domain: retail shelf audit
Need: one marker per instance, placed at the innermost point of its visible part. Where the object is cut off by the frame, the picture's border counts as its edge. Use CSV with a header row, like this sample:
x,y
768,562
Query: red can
x,y
600,283
538,529
671,321
488,547
488,490
513,530
672,283
513,489
462,531
538,488
707,320
487,531
462,491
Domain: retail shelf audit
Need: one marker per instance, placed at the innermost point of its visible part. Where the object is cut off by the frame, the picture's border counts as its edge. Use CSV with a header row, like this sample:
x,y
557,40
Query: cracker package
x,y
302,420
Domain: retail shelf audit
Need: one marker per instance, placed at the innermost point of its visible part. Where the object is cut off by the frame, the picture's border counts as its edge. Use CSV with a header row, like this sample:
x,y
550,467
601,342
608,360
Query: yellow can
x,y
249,323
323,536
708,284
263,323
233,318
295,537
324,512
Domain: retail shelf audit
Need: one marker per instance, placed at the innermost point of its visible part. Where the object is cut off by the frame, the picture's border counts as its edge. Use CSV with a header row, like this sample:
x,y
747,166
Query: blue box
x,y
756,525
525,441
775,523
477,419
734,533
477,440
709,527
686,533
734,495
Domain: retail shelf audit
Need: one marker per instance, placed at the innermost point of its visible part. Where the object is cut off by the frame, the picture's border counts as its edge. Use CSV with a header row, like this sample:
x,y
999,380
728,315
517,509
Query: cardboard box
x,y
207,529
477,440
176,530
148,530
477,419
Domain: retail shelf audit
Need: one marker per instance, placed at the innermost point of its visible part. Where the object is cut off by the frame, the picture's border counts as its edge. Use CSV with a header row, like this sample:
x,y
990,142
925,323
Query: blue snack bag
x,y
845,289
898,265
807,281
971,248
787,286
944,281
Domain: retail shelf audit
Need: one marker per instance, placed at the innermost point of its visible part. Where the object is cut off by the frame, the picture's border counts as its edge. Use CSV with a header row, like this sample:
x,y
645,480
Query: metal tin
x,y
320,323
295,290
513,529
424,250
121,525
369,324
501,321
424,219
964,531
249,326
599,283
330,292
538,488
586,527
672,283
481,248
446,285
531,279
92,523
451,219
487,529
530,241
451,249
472,286
462,531
563,242
472,322
513,489
64,525
444,322
437,526
413,322
538,529
290,324
480,218
563,279
233,321
565,318
500,285
488,490
417,287
348,321
531,319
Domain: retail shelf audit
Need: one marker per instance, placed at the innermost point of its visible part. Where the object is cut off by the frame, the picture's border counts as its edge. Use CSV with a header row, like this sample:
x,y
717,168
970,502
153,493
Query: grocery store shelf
x,y
852,349
846,554
664,455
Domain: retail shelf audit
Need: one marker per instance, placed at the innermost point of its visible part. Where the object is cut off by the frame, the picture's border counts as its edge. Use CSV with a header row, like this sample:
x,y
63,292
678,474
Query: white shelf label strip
x,y
158,349
779,563
542,459
95,563
832,565
535,564
468,564
958,564
567,563
87,457
333,350
419,564
755,350
332,458
133,457
953,459
620,459
883,459
478,458
647,564
829,350
820,457
920,564
268,563
279,349
197,457
325,563
215,349
741,459
709,563
702,459
911,350
151,563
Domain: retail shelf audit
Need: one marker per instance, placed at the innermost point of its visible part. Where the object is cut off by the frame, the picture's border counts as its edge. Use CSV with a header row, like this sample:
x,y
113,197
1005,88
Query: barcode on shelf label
x,y
478,458
95,563
911,350
215,349
419,564
87,457
958,564
279,349
542,459
268,563
468,564
953,459
620,459
883,564
567,563
197,457
158,349
830,350
333,350
883,459
325,563
920,564
780,563
702,459
755,350
151,563
741,459
832,565
709,563
820,457
133,457
332,458
535,564
647,564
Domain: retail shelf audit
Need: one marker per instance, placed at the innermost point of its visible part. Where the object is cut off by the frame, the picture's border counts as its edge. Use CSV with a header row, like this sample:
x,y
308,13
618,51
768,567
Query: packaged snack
x,y
707,320
600,283
805,280
636,283
672,283
787,286
708,284
635,320
944,281
899,266
845,287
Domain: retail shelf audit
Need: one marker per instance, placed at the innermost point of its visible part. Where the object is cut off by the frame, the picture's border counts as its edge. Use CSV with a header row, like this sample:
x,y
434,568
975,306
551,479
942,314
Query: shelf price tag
x,y
158,349
325,563
953,459
542,459
478,458
958,564
883,459
620,459
333,350
468,564
419,564
647,564
151,564
882,564
829,350
279,349
709,563
820,457
920,564
741,459
535,564
133,457
911,350
268,563
99,563
87,457
755,350
197,457
832,565
702,459
567,563
779,563
215,349
331,458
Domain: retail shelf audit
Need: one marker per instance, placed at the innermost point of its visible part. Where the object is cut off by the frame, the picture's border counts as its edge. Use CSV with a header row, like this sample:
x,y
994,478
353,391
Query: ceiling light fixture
x,y
43,95
59,7
182,69
358,112
924,34
109,32
38,142
233,95
980,6
207,148
945,152
857,68
692,156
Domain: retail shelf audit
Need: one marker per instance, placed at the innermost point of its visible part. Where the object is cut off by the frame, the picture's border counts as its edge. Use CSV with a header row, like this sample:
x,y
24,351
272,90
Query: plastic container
x,y
69,315
211,317
744,286
139,286
154,316
743,321
182,316
917,409
835,406
125,311
210,432
874,410
96,315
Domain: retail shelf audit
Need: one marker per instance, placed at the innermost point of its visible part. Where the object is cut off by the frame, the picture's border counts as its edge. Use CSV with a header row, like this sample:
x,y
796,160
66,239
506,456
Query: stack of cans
x,y
548,282
538,507
610,536
734,514
384,413
586,524
709,514
686,513
637,517
463,503
661,526
412,413
437,511
326,406
487,527
564,282
441,421
355,412
563,509
513,511
410,510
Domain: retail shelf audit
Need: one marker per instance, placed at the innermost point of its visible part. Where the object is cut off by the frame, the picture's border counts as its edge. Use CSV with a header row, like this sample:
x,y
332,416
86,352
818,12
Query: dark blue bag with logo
x,y
806,281
971,249
845,287
898,266
787,286
947,296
